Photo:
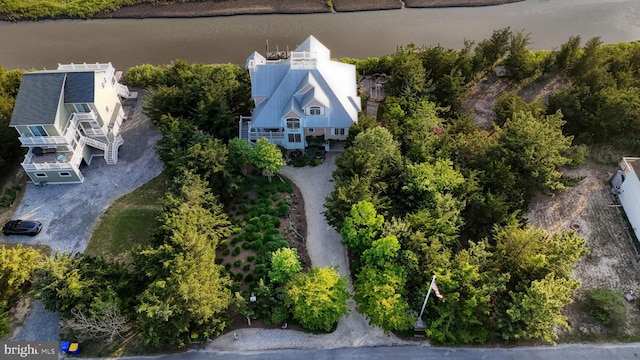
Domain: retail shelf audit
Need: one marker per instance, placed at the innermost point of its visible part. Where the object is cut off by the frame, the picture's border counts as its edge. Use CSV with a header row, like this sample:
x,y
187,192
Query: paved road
x,y
561,352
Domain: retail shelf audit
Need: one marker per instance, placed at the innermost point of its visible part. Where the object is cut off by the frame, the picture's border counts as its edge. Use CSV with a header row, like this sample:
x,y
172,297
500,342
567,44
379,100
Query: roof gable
x,y
38,99
79,87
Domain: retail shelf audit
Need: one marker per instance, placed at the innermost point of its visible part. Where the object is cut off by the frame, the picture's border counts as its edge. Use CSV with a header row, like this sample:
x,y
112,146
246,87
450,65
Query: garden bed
x,y
266,216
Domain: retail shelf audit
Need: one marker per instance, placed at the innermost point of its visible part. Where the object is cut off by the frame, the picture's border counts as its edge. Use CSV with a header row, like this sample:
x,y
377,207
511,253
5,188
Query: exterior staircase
x,y
111,155
245,121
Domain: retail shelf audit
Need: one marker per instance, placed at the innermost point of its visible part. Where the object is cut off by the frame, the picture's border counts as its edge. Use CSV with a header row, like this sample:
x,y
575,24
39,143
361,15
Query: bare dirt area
x,y
612,263
482,97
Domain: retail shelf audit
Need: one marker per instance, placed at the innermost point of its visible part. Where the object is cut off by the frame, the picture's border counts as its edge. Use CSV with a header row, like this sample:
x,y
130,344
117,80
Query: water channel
x,y
129,42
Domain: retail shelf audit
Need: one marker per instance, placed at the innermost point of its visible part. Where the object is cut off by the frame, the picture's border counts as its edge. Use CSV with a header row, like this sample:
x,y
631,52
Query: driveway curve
x,y
325,249
68,212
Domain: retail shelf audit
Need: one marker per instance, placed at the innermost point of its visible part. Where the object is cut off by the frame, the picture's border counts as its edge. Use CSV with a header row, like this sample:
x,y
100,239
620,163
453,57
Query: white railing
x,y
271,135
73,121
102,145
85,66
42,140
122,90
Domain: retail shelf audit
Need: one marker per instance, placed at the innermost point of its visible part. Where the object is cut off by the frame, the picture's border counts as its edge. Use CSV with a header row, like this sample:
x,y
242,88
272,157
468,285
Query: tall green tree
x,y
537,312
368,170
378,292
532,149
17,265
285,264
362,227
318,298
268,157
187,291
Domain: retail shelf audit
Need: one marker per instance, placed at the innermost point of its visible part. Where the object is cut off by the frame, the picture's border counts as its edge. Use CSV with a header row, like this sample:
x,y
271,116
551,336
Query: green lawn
x,y
129,221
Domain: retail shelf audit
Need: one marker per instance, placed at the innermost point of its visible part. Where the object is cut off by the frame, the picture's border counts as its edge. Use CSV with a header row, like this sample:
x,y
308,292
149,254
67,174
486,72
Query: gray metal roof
x,y
79,87
333,84
38,99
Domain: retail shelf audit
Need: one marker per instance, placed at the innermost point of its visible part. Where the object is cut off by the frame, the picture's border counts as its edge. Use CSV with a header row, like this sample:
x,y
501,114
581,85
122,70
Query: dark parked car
x,y
22,227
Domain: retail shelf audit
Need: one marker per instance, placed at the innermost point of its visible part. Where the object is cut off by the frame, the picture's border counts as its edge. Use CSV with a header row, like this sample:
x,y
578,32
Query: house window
x,y
37,130
339,131
82,108
293,123
315,111
295,138
107,108
310,130
64,174
40,175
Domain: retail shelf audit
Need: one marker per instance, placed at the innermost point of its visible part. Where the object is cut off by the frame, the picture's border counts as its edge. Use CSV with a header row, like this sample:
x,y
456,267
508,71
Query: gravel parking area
x,y
68,212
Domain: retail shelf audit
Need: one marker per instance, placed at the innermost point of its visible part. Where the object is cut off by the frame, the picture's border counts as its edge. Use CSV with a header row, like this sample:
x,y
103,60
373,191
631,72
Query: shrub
x,y
237,263
259,259
227,266
255,244
254,236
219,261
246,267
260,271
223,244
246,245
275,197
239,277
283,210
279,315
251,257
236,251
9,196
607,306
248,278
225,252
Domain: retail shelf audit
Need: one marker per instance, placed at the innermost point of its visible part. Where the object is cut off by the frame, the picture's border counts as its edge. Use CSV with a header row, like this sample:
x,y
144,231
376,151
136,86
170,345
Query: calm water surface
x,y
231,39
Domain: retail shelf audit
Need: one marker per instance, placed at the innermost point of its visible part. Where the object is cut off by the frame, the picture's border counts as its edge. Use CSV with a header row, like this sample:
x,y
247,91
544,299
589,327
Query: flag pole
x,y
424,304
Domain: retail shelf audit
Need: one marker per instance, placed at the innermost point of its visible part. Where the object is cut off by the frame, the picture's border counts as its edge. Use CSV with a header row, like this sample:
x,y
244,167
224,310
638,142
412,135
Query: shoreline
x,y
266,7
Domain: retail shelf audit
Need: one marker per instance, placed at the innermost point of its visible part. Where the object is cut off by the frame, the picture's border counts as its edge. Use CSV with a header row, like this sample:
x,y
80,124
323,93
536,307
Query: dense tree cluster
x,y
421,190
603,105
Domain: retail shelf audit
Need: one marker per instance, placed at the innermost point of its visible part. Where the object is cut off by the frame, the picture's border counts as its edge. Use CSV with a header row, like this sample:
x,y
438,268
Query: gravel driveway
x,y
325,249
68,212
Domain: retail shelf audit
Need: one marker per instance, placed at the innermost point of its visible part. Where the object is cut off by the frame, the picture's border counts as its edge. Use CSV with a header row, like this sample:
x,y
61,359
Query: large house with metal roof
x,y
68,115
304,94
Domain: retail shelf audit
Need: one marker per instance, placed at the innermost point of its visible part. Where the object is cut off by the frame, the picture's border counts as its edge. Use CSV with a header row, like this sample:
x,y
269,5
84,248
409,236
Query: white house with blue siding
x,y
306,94
67,116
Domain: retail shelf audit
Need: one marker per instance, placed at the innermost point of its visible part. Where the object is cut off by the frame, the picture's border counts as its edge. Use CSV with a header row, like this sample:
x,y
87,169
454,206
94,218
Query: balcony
x,y
61,160
28,141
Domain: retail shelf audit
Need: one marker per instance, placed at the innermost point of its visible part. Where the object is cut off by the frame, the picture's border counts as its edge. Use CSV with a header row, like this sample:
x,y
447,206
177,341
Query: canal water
x,y
129,42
